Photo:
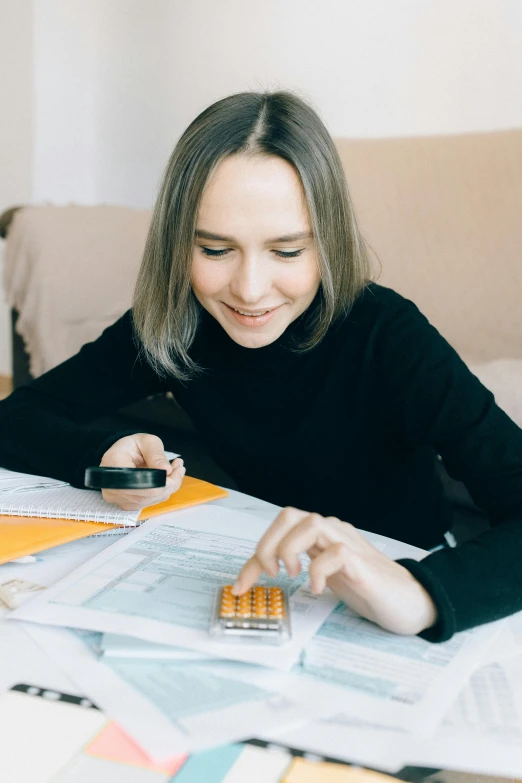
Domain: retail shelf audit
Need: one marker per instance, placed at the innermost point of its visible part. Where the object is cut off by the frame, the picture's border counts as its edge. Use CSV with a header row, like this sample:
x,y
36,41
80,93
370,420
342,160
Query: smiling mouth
x,y
252,314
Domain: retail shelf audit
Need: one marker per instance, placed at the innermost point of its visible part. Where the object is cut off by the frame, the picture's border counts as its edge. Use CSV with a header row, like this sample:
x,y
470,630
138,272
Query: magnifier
x,y
125,478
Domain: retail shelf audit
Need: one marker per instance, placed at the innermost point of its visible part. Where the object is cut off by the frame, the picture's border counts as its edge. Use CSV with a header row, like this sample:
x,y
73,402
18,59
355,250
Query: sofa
x,y
441,216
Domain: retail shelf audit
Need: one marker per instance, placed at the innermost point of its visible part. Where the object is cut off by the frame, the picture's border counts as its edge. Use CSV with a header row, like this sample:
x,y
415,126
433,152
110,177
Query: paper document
x,y
159,584
12,481
53,564
170,707
112,645
360,669
480,734
344,739
23,661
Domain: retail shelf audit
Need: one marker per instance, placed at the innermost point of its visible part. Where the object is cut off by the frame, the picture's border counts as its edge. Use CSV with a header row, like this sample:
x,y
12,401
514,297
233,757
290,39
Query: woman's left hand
x,y
366,580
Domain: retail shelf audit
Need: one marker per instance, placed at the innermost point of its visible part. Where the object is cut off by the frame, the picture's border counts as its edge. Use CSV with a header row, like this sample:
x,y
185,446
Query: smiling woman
x,y
253,175
313,387
254,283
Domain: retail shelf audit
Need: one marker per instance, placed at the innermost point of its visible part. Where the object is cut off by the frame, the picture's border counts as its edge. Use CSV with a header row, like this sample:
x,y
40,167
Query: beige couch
x,y
443,216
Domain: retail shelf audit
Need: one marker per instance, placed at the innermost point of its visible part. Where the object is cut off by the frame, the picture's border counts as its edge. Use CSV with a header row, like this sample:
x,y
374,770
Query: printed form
x,y
171,707
481,733
358,669
190,706
159,584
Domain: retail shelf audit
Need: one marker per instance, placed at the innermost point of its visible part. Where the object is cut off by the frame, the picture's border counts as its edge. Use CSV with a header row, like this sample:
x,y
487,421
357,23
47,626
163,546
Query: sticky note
x,y
304,771
209,766
113,744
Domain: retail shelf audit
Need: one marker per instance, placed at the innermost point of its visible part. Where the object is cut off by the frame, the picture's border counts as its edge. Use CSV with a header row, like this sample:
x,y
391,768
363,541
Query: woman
x,y
313,387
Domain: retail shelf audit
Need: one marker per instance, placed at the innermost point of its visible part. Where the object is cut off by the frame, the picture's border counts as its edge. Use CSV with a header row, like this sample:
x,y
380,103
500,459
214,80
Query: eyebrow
x,y
299,235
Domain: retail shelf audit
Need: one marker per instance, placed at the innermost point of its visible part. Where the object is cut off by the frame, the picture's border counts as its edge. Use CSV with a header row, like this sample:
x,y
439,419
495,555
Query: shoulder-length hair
x,y
165,309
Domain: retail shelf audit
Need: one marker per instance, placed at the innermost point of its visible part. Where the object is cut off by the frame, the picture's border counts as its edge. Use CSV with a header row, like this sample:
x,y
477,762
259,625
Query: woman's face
x,y
254,265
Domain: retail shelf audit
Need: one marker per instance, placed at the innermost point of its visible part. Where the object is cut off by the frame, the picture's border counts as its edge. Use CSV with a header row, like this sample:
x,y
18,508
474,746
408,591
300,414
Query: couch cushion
x,y
70,272
444,216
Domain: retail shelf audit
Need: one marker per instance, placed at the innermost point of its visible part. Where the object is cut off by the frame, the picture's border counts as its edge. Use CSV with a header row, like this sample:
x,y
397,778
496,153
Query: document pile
x,y
130,628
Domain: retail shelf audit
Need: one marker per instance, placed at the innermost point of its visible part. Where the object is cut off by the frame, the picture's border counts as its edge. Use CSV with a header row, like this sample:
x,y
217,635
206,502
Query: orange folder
x,y
192,492
21,536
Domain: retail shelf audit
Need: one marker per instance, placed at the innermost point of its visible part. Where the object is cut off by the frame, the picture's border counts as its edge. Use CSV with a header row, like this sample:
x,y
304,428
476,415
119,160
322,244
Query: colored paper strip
x,y
304,771
113,744
209,766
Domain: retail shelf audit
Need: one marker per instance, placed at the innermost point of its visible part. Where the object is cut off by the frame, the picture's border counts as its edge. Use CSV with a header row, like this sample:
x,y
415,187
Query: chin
x,y
258,340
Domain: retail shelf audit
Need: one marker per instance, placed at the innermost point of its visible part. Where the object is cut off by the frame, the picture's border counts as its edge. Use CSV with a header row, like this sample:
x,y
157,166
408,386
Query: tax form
x,y
480,734
170,707
352,671
159,584
357,669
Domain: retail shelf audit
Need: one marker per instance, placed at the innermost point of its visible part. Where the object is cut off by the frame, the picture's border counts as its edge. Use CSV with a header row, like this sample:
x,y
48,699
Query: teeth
x,y
253,315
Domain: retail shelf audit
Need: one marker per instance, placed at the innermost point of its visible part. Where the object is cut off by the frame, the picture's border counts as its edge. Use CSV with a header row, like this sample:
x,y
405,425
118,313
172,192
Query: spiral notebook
x,y
23,495
33,519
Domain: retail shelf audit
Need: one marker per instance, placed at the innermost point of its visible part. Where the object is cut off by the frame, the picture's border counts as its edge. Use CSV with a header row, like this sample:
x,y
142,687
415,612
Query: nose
x,y
251,281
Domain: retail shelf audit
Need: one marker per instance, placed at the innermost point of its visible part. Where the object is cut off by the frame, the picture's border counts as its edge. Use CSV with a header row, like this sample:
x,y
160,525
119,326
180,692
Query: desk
x,y
29,665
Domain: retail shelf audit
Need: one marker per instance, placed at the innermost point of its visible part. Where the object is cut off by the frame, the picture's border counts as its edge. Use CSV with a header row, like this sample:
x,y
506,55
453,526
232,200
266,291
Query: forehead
x,y
253,190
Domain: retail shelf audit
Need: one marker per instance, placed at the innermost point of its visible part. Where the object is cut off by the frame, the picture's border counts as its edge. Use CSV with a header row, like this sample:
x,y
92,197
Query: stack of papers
x,y
159,583
342,687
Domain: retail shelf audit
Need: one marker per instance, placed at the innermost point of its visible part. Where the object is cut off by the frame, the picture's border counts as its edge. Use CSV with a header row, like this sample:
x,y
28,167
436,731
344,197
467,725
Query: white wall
x,y
131,74
98,91
15,127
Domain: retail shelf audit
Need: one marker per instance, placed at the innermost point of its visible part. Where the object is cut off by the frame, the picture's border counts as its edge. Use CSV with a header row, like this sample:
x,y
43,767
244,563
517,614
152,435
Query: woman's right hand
x,y
141,451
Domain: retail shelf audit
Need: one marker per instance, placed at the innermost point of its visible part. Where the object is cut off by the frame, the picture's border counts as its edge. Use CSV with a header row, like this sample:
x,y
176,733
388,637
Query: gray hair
x,y
165,309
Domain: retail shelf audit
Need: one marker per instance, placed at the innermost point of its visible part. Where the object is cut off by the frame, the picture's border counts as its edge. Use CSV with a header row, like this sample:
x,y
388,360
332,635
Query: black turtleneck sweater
x,y
351,429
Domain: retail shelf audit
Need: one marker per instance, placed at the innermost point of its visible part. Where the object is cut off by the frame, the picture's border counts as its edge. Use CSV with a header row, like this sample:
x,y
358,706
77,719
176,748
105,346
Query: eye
x,y
212,253
289,253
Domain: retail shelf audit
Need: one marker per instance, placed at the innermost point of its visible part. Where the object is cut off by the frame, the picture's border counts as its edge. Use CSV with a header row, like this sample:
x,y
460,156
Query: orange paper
x,y
192,492
305,771
21,536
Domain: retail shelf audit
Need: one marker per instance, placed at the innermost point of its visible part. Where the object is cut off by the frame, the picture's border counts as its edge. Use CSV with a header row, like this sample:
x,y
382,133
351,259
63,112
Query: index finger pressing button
x,y
260,614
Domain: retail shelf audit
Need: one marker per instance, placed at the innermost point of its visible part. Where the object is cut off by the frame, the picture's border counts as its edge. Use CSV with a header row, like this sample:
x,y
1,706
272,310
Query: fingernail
x,y
235,588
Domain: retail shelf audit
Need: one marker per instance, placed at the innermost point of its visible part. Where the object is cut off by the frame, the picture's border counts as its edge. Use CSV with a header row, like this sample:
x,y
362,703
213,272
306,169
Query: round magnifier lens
x,y
124,478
